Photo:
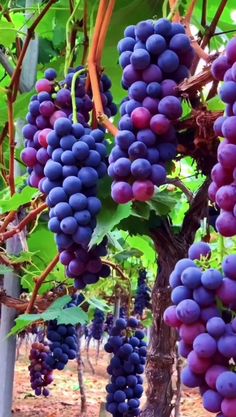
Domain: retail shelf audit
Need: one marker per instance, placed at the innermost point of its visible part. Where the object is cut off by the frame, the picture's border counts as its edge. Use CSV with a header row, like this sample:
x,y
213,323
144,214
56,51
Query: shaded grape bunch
x,y
222,190
123,313
63,344
155,57
207,334
97,328
109,323
39,369
126,366
142,297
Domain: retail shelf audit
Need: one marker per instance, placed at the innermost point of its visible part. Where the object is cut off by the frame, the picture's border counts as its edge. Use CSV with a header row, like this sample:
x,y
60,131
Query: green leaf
x,y
60,303
4,269
215,104
100,304
126,254
163,202
141,210
18,200
109,217
8,33
20,325
72,315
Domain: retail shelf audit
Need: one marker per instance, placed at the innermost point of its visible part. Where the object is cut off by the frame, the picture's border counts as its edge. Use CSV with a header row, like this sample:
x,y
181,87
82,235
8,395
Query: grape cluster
x,y
222,190
155,57
109,323
97,328
40,371
142,298
75,160
71,180
207,334
53,102
126,366
63,344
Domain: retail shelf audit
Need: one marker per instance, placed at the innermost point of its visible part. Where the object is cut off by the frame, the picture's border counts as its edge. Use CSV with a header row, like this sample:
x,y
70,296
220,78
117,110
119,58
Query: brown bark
x,y
161,353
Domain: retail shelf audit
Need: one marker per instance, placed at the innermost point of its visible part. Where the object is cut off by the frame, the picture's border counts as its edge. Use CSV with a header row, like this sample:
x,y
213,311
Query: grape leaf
x,y
18,200
109,217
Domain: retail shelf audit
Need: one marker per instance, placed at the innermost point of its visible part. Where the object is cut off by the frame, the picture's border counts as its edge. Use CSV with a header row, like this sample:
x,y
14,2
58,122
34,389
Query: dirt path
x,y
64,400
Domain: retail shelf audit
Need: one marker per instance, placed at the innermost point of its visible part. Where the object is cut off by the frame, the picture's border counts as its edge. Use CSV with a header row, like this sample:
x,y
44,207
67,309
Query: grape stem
x,y
85,30
99,37
39,282
103,32
117,268
174,12
2,159
221,247
178,183
73,95
198,49
209,32
15,230
69,52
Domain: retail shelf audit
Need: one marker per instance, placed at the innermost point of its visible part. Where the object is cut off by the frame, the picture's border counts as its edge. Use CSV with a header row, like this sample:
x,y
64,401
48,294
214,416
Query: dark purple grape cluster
x,y
123,313
40,371
109,323
142,297
207,334
155,57
97,328
126,366
222,190
63,344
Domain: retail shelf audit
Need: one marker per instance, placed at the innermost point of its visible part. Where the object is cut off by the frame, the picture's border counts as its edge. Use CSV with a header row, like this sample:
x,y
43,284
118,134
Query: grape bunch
x,y
75,161
97,328
109,323
142,298
155,57
126,366
63,344
207,334
39,369
53,102
222,190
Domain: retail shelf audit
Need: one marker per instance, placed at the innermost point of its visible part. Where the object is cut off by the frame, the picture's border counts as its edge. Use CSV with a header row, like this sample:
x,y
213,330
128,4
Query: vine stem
x,y
221,248
73,96
32,215
210,31
174,10
92,63
117,268
11,132
39,282
199,51
8,219
85,30
103,32
68,44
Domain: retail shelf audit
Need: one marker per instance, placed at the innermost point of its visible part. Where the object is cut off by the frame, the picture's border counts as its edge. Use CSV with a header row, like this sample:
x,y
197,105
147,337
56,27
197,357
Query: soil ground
x,y
64,400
